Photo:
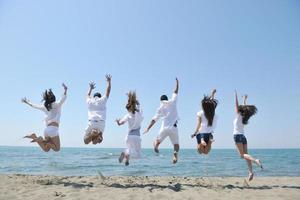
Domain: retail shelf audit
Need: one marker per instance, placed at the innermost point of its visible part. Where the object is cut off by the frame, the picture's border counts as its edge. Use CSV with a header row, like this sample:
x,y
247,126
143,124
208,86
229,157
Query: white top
x,y
54,114
238,126
168,112
204,128
134,120
96,108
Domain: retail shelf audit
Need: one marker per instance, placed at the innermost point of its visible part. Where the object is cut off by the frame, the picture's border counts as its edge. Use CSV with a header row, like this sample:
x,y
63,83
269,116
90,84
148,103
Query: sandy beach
x,y
30,187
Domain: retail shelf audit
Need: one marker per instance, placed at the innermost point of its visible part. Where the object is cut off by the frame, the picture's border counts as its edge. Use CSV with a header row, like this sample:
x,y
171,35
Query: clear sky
x,y
251,46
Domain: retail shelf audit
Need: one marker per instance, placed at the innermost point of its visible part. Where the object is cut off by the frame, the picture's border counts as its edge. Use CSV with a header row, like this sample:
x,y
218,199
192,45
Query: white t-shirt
x,y
238,126
204,128
53,115
134,120
168,112
96,108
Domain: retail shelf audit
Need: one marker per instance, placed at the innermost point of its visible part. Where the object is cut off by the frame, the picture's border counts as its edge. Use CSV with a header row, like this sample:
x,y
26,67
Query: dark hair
x,y
209,106
132,104
247,111
97,94
164,98
49,98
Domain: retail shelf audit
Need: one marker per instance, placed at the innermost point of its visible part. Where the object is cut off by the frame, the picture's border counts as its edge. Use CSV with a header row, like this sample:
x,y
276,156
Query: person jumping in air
x,y
207,121
168,112
243,114
134,119
52,109
96,114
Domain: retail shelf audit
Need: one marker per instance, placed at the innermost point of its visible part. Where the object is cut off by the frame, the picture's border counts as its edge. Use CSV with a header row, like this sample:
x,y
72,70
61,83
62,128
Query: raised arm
x,y
65,89
92,86
108,79
177,86
236,102
245,97
62,100
39,107
213,93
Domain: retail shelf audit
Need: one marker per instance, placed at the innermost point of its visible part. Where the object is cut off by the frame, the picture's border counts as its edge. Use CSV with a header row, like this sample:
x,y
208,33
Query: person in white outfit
x,y
96,114
243,114
206,123
168,113
52,110
134,117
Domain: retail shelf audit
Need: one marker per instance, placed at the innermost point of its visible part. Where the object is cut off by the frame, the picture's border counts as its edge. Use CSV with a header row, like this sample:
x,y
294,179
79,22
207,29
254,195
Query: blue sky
x,y
251,46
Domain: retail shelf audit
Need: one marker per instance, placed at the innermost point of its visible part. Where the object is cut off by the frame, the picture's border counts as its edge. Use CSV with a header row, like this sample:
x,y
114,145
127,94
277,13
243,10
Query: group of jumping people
x,y
167,111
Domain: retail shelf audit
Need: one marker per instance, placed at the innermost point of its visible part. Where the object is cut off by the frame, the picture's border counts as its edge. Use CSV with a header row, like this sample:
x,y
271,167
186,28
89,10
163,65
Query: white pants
x,y
172,133
98,125
51,131
133,143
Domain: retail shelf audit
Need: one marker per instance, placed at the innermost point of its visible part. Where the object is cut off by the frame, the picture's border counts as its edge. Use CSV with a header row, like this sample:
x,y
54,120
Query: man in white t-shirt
x,y
168,113
96,113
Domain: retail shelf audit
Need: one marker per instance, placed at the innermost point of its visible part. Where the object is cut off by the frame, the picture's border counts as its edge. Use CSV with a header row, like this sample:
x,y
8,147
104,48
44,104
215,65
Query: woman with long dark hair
x,y
134,118
52,110
243,114
206,123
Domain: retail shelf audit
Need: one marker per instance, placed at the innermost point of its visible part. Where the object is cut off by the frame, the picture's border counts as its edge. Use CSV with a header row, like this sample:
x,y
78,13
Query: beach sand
x,y
28,187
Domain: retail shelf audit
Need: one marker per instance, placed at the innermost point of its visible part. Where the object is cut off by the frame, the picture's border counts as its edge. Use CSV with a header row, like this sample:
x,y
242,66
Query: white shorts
x,y
98,125
171,132
133,143
51,131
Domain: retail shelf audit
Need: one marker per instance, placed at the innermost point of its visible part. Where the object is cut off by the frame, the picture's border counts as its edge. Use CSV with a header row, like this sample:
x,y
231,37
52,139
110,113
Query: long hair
x,y
133,103
48,98
247,111
209,106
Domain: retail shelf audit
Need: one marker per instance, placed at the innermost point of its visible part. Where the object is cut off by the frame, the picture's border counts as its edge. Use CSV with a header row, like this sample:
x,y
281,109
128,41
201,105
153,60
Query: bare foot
x,y
121,158
175,157
30,136
38,139
155,146
199,151
126,160
258,162
250,177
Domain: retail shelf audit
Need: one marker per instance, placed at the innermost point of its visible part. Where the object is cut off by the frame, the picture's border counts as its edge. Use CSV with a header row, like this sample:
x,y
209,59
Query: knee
x,y
95,142
86,141
46,150
242,156
56,149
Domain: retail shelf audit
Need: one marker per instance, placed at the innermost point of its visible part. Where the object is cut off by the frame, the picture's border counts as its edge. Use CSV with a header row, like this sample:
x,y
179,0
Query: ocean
x,y
94,161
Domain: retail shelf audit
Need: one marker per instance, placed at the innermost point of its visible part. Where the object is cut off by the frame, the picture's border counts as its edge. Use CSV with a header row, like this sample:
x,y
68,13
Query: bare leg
x,y
242,148
38,140
199,148
94,136
208,147
175,155
156,145
127,159
54,143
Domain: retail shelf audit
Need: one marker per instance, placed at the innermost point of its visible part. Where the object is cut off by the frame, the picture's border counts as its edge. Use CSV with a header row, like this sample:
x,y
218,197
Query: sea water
x,y
94,161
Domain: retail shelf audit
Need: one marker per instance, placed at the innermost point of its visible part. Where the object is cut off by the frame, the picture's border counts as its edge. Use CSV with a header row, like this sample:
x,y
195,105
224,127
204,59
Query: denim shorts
x,y
240,138
205,136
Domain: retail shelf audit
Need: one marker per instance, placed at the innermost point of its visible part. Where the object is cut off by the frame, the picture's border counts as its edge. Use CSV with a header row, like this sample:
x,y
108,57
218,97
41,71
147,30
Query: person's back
x,y
168,112
97,108
134,120
205,127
